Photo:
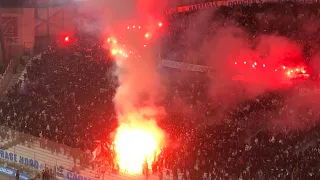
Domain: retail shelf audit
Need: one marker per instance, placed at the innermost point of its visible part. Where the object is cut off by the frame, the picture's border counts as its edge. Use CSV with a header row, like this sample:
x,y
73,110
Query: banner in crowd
x,y
12,172
13,157
64,174
219,3
185,66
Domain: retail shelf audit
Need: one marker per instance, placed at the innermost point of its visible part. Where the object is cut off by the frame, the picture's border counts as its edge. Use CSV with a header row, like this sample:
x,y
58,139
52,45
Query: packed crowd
x,y
246,147
298,23
64,93
70,88
264,138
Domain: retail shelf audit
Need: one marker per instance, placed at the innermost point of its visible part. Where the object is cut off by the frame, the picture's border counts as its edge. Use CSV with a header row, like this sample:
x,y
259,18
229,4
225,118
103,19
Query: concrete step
x,y
20,70
15,77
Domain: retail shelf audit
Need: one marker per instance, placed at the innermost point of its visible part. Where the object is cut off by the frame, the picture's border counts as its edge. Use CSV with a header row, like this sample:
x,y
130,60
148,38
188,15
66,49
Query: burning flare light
x,y
136,143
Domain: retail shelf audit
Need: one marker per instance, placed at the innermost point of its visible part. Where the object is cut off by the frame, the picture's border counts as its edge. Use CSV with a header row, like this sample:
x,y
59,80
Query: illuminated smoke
x,y
138,136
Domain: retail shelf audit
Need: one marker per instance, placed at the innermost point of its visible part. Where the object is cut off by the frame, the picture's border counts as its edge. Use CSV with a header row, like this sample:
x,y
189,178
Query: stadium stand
x,y
65,100
48,154
243,147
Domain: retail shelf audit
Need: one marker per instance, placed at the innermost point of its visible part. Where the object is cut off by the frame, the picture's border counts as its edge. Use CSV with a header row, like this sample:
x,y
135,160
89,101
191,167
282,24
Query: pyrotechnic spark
x,y
114,52
112,41
290,72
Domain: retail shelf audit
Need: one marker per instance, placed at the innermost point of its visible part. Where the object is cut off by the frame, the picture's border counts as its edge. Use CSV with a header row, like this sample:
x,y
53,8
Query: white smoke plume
x,y
139,83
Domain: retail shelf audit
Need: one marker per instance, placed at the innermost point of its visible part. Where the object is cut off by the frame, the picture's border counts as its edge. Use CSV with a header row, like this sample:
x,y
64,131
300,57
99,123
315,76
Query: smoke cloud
x,y
104,15
228,49
138,137
138,76
139,83
247,65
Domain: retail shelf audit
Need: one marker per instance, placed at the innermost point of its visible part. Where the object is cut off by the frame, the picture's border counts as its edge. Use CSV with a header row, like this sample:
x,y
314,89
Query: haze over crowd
x,y
229,43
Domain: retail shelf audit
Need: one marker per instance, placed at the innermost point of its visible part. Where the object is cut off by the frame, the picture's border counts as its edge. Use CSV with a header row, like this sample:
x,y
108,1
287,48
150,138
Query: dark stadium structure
x,y
33,3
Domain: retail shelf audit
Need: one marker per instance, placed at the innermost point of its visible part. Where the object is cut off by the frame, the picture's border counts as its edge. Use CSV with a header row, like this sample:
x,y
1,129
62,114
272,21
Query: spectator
x,y
17,175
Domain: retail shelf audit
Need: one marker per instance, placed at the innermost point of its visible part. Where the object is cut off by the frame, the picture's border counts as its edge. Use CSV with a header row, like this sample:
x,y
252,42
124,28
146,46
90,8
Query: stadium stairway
x,y
15,77
20,71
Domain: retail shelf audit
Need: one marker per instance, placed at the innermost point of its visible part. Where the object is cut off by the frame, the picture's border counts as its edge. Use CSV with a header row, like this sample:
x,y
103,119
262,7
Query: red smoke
x,y
151,7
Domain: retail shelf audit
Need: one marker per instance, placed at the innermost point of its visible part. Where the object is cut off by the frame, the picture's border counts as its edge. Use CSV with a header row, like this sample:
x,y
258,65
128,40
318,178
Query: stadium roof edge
x,y
34,3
